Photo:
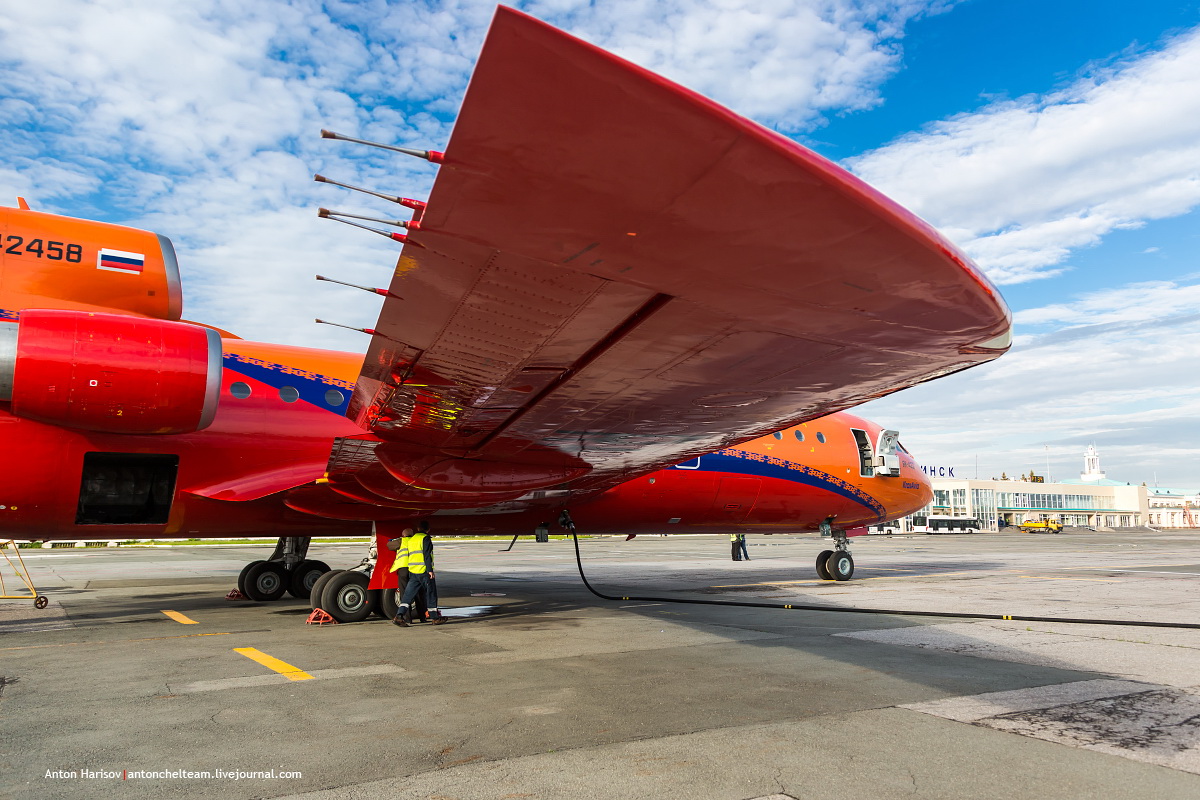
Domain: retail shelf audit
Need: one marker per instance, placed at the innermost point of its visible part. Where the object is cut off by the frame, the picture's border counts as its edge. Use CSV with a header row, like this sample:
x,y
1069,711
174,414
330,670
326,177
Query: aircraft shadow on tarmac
x,y
531,603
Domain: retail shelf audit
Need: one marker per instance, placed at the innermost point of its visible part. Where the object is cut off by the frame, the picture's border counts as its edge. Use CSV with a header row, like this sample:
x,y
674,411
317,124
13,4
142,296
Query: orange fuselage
x,y
270,415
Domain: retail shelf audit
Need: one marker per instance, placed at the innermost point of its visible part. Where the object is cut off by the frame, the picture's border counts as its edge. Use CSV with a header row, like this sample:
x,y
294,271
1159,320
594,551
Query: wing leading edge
x,y
614,274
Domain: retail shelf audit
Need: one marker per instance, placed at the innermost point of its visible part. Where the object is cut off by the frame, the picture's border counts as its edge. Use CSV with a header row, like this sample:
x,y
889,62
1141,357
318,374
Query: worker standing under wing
x,y
420,579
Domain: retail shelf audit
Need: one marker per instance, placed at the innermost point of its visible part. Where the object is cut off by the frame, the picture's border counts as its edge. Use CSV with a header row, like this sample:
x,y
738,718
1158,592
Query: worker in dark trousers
x,y
400,546
737,542
420,578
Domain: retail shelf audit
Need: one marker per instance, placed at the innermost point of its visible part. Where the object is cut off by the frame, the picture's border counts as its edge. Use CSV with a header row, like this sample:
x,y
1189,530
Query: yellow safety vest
x,y
402,555
416,553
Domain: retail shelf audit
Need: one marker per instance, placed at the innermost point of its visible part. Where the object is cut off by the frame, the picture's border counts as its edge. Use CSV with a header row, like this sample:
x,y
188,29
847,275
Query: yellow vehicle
x,y
1042,526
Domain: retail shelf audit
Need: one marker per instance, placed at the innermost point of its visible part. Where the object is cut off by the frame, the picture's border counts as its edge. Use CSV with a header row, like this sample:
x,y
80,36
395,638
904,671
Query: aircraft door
x,y
736,498
887,460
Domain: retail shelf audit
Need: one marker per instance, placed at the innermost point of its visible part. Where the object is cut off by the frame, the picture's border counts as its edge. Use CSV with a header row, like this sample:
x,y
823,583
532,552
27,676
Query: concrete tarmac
x,y
537,689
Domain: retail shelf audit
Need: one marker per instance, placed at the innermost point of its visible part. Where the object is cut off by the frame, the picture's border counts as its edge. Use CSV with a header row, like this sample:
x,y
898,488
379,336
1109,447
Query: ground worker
x,y
420,579
400,546
737,543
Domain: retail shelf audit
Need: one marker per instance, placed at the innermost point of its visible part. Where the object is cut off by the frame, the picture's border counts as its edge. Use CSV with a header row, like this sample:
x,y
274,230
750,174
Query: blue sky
x,y
1058,143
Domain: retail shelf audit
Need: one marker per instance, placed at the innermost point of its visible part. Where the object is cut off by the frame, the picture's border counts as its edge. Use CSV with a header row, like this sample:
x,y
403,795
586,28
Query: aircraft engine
x,y
109,372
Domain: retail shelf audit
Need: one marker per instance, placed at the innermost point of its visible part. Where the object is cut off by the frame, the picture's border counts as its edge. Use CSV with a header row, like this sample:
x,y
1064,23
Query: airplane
x,y
623,307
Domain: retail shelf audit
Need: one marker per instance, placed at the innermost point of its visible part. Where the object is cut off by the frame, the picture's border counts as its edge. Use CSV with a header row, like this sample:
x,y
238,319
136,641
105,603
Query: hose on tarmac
x,y
570,526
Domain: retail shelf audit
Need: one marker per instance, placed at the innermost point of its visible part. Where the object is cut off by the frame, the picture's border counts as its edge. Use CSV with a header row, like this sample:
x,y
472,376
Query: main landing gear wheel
x,y
823,565
303,576
840,565
345,597
41,602
242,576
389,603
375,601
314,594
265,580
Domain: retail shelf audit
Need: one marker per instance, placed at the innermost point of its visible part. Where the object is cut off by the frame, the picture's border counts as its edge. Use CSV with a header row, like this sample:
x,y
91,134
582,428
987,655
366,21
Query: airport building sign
x,y
938,471
1093,501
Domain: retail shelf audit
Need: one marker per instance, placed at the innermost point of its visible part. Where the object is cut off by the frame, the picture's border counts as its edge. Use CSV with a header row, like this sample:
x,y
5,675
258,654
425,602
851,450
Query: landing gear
x,y
343,593
389,603
264,580
345,596
836,564
303,576
314,594
287,570
840,565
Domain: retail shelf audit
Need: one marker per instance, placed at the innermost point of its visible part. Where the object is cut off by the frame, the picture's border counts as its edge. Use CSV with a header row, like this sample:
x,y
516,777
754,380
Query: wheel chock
x,y
320,616
235,595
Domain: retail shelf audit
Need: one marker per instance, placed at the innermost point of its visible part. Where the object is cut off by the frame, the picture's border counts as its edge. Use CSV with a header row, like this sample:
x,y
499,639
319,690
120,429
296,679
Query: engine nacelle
x,y
109,372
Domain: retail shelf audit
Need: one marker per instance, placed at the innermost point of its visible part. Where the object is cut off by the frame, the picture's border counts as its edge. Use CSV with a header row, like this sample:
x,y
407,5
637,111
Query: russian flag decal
x,y
120,261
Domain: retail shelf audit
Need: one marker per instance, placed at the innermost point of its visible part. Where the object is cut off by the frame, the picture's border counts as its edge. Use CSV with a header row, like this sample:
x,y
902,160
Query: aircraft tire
x,y
840,565
314,595
241,583
375,598
389,603
266,581
822,569
345,597
303,576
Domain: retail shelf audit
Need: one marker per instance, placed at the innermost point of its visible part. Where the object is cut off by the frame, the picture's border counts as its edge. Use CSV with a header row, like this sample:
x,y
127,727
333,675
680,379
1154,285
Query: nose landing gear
x,y
836,564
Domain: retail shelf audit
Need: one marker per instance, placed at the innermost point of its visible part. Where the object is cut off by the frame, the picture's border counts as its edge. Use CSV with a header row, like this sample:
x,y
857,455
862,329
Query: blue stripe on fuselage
x,y
741,462
311,390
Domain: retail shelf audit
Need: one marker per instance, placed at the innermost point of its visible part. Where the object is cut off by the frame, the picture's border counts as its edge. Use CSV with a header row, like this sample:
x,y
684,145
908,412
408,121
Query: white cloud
x,y
781,62
200,119
1021,183
1115,367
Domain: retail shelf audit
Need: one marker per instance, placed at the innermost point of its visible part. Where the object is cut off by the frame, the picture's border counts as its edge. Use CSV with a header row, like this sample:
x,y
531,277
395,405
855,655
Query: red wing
x,y
615,274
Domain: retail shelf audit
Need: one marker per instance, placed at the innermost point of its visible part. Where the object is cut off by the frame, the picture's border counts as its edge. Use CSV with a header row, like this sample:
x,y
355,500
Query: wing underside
x,y
614,274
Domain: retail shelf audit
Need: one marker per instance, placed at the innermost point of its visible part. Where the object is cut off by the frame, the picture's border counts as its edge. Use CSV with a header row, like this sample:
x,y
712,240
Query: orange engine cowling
x,y
109,372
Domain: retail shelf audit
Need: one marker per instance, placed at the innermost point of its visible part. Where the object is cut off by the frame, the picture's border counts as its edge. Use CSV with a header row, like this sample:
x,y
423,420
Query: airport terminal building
x,y
1092,501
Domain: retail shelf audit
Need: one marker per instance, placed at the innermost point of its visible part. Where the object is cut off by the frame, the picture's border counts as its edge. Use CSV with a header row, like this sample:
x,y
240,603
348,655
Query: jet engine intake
x,y
110,372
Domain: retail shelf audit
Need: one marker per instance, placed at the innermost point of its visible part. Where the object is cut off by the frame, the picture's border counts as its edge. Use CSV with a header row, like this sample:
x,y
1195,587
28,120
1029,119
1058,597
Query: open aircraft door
x,y
887,460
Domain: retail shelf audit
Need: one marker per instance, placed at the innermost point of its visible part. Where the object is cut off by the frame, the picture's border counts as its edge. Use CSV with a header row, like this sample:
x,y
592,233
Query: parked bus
x,y
945,523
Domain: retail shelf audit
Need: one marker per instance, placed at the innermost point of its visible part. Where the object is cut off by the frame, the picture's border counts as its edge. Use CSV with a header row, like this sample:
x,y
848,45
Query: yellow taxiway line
x,y
270,662
180,618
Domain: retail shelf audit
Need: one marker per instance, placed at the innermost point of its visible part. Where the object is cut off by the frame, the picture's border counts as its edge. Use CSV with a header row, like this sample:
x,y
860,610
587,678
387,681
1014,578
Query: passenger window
x,y
289,394
778,434
240,390
821,438
799,435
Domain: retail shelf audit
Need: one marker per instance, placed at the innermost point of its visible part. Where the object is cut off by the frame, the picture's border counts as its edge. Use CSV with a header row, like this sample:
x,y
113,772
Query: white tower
x,y
1091,465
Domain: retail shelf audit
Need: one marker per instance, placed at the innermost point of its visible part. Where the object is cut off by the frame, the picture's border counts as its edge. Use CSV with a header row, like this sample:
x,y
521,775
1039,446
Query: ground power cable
x,y
847,610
